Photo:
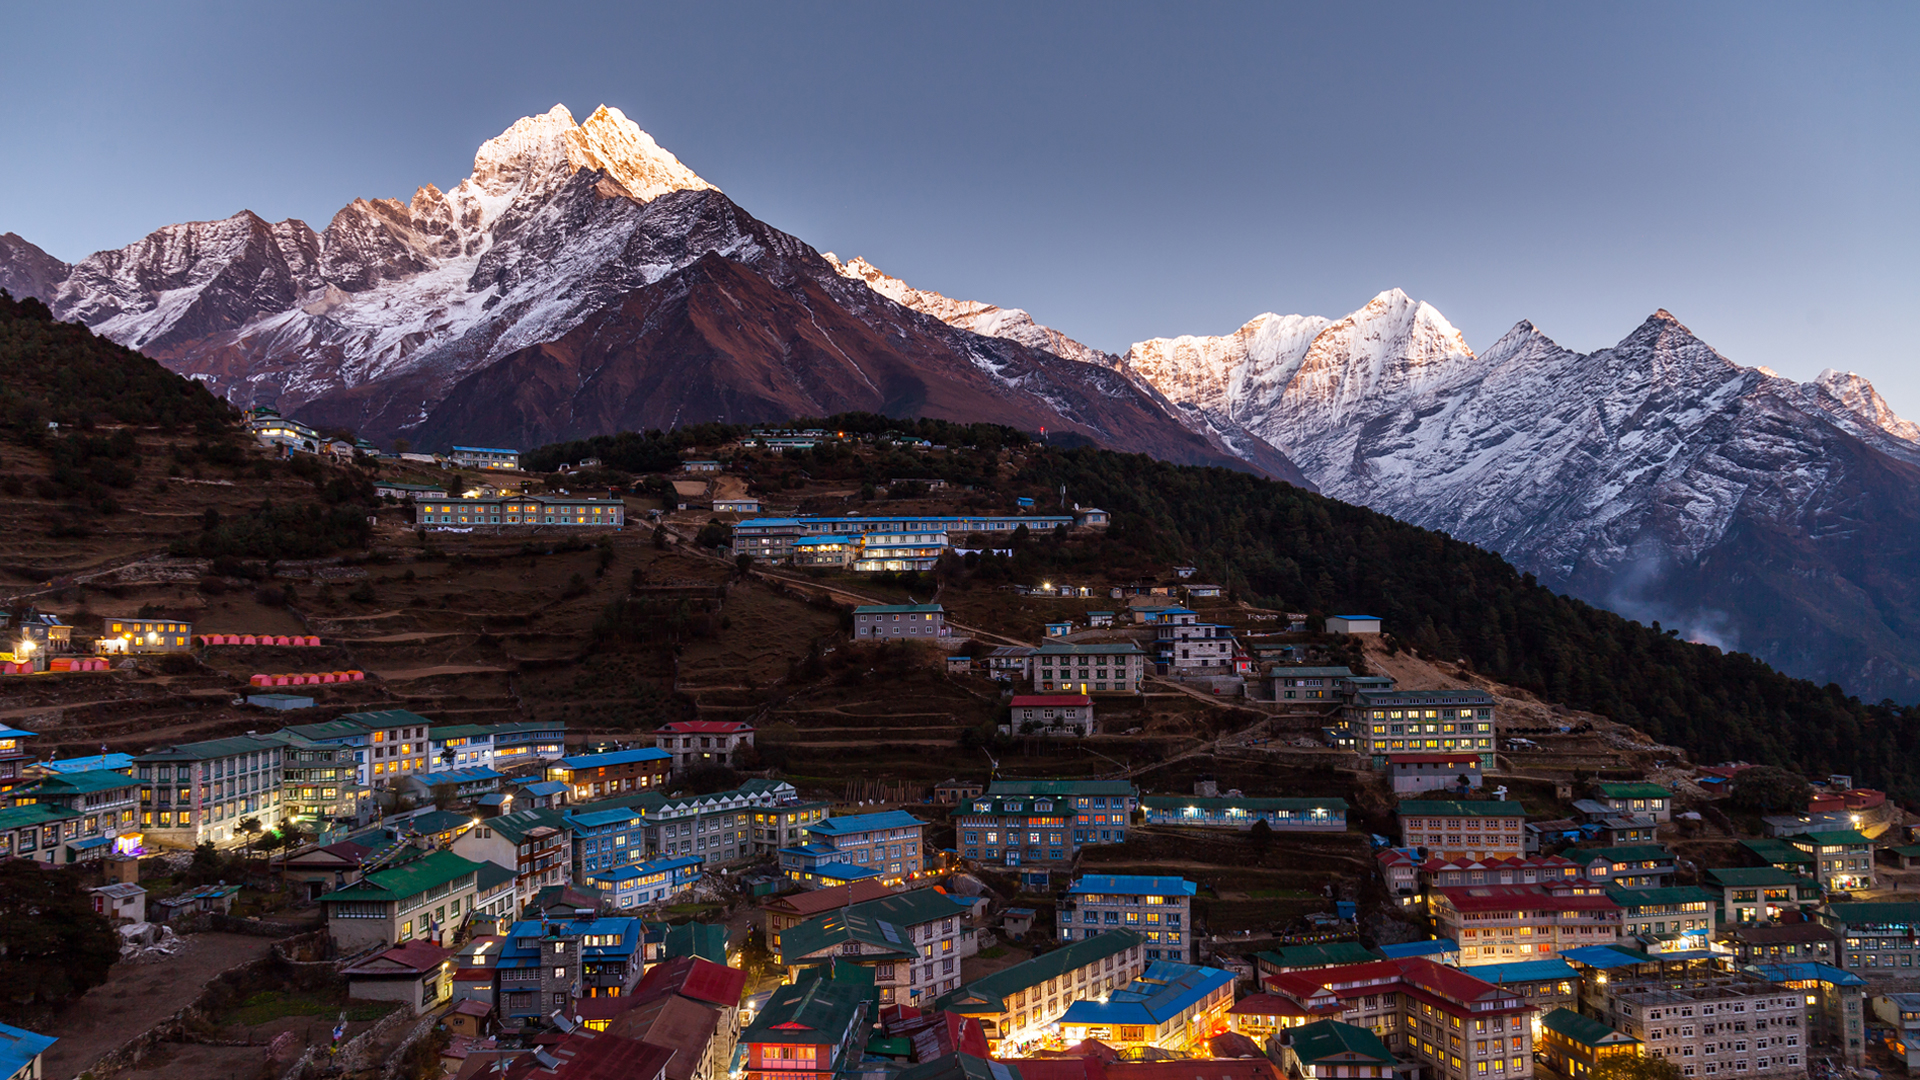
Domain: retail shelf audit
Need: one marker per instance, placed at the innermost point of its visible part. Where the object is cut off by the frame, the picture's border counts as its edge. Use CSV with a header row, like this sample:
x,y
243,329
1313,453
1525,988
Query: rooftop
x,y
988,993
1132,885
1633,791
408,879
614,757
1160,993
1450,808
1583,1030
1326,1038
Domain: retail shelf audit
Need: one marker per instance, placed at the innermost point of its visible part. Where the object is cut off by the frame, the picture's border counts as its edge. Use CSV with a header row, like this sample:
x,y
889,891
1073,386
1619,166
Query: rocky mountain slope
x,y
1657,477
580,281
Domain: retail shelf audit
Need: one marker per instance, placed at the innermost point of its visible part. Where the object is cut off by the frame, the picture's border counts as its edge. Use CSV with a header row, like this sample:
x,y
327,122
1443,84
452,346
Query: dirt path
x,y
137,996
403,674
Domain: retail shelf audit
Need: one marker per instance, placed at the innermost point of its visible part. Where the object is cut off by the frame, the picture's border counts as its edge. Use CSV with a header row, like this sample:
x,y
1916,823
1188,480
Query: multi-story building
x,y
772,539
607,952
456,785
1411,773
40,833
1714,1023
1455,1025
203,791
1544,984
1017,830
522,511
880,552
1678,917
1835,1004
1187,645
1158,909
1635,866
1474,830
1649,799
484,457
1050,714
1874,936
698,743
527,742
1422,721
387,744
120,635
1576,1046
1016,1005
914,942
1781,943
459,746
1104,668
1500,923
1171,1006
104,805
426,898
1322,1048
785,824
320,783
652,882
718,827
598,776
1240,812
886,845
899,622
537,845
833,551
1843,859
605,837
13,755
809,1030
782,913
1761,894
1102,809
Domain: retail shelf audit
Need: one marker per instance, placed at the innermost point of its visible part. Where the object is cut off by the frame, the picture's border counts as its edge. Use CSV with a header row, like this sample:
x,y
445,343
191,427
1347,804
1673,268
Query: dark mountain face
x,y
26,271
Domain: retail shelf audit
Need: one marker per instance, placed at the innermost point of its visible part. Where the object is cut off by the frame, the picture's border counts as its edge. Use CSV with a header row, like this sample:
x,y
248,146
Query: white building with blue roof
x,y
542,958
1170,1006
20,1052
1159,909
485,457
644,883
886,845
605,838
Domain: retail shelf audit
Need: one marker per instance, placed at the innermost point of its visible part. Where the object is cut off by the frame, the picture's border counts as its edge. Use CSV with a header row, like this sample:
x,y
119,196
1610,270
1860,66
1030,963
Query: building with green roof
x,y
1102,810
1650,799
1681,914
202,791
822,1020
33,831
1016,1005
886,934
426,898
1760,894
1779,854
106,804
708,941
1308,957
1095,668
1575,1045
1239,812
1452,829
1874,935
1631,866
1326,1048
1843,858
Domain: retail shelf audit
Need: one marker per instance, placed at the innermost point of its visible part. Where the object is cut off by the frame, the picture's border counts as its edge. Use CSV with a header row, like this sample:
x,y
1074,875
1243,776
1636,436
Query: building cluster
x,y
881,543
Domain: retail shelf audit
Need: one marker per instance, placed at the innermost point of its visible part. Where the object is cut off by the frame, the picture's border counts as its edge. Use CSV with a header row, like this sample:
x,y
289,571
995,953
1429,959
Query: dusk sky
x,y
1122,171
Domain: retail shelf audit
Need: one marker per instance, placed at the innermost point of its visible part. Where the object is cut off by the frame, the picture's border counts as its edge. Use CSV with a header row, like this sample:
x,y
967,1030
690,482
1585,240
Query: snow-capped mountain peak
x,y
977,316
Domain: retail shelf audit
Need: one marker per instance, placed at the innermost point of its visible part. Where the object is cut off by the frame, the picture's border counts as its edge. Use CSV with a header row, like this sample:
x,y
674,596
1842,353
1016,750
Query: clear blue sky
x,y
1121,170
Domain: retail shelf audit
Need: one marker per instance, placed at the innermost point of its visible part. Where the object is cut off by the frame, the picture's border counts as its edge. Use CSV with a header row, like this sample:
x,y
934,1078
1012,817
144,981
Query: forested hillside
x,y
1280,545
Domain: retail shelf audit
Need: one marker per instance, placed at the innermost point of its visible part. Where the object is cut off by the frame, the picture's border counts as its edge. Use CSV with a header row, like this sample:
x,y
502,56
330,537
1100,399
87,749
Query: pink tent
x,y
261,680
357,676
249,640
281,640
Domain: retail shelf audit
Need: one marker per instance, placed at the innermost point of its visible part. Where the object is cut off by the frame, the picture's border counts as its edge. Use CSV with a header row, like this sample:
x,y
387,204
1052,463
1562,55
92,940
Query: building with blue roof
x,y
1544,984
1159,909
605,838
485,457
600,957
463,784
92,763
20,1052
771,539
1835,1003
650,882
889,844
616,772
1169,1006
1439,950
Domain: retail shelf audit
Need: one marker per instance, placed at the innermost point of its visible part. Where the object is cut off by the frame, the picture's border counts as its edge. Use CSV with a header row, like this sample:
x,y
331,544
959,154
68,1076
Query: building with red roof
x,y
1459,1026
696,744
583,1055
1505,923
418,973
1050,714
1434,772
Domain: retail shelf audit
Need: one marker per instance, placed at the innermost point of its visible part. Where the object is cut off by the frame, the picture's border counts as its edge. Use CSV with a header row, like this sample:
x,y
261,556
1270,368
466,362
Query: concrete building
x,y
1715,1023
1501,923
1412,773
1448,830
120,636
886,845
652,882
583,958
1050,714
1637,866
1874,936
521,511
103,805
1835,1000
1761,894
1017,830
1574,1046
426,898
1016,1005
537,845
202,791
1650,799
899,622
913,942
1109,668
1675,918
1189,646
320,784
387,743
809,1030
1158,909
1781,943
1241,812
781,913
1843,859
785,824
13,756
597,776
484,457
1101,809
698,743
1353,624
122,902
1388,722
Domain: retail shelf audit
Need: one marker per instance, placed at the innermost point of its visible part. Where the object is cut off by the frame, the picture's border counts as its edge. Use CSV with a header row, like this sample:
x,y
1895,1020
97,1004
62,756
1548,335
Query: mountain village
x,y
1078,829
